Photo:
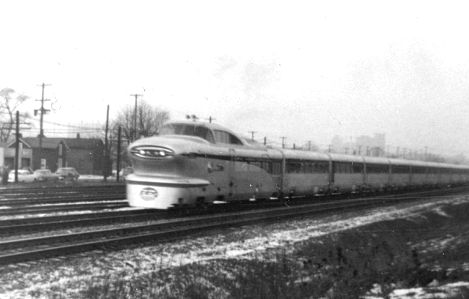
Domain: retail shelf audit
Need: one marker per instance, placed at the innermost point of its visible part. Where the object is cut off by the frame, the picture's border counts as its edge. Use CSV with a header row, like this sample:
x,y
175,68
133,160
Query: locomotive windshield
x,y
189,130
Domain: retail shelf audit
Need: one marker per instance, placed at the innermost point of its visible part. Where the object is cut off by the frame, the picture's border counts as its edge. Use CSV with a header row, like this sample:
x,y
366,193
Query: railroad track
x,y
50,223
69,208
61,199
27,249
48,190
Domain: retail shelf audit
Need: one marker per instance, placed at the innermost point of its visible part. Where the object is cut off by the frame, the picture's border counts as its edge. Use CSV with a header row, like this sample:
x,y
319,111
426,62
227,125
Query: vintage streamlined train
x,y
194,163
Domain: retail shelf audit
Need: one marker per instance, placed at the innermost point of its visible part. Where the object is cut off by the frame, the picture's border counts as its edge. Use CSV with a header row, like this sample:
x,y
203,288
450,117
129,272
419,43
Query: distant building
x,y
85,154
25,154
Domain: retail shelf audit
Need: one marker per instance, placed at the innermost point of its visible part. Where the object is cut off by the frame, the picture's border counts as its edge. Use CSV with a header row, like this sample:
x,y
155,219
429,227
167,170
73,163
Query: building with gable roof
x,y
86,155
25,154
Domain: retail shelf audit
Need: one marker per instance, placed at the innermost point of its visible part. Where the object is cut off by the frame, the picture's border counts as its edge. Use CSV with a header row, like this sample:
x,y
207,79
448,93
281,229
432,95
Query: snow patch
x,y
444,291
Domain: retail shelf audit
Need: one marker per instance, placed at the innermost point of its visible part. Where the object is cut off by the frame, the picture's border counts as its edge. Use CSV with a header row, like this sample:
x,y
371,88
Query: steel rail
x,y
63,208
68,217
62,199
8,227
60,194
49,189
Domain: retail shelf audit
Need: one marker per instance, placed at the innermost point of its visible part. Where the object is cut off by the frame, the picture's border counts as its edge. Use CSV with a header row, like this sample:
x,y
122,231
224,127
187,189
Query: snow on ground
x,y
450,290
239,242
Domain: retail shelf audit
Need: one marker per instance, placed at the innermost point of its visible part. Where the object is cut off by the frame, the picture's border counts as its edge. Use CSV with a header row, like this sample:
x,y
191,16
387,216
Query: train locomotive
x,y
194,164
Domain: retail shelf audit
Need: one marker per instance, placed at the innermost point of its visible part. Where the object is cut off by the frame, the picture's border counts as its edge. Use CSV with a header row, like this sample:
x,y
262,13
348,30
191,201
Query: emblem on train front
x,y
148,193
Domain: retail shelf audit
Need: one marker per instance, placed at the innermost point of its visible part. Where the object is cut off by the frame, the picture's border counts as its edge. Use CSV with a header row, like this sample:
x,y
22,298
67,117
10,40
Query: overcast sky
x,y
307,70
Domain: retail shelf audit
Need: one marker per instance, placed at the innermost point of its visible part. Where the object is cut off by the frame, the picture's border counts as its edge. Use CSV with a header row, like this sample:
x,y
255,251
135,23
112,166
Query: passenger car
x,y
45,175
67,173
24,175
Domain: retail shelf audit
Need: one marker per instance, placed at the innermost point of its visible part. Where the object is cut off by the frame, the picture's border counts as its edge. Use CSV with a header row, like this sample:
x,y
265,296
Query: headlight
x,y
151,152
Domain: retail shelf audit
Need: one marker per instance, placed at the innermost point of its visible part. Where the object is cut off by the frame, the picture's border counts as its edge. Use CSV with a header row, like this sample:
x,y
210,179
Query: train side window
x,y
276,167
343,167
418,169
376,168
400,169
308,167
357,167
320,167
324,167
293,167
348,167
385,168
267,166
314,167
337,167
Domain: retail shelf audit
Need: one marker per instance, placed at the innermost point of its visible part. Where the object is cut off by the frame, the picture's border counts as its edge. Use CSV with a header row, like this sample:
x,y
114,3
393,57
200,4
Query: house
x,y
25,153
85,154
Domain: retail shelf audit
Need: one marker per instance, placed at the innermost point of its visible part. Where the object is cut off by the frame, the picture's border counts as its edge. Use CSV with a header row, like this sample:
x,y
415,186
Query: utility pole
x,y
265,140
252,134
42,111
283,141
17,145
106,151
135,114
17,160
118,153
210,119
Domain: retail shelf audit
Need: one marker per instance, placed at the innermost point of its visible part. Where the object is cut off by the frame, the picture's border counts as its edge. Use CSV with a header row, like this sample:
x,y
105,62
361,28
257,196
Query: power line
x,y
71,126
283,141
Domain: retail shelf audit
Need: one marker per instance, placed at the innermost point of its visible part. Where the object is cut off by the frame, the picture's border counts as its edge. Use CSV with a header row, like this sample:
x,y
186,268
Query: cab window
x,y
187,129
226,138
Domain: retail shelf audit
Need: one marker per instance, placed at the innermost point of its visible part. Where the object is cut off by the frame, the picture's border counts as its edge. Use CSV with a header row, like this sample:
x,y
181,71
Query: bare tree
x,y
8,106
149,120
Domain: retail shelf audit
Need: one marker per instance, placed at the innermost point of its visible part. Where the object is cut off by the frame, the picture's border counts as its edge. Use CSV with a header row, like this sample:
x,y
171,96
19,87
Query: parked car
x,y
45,175
67,173
24,175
